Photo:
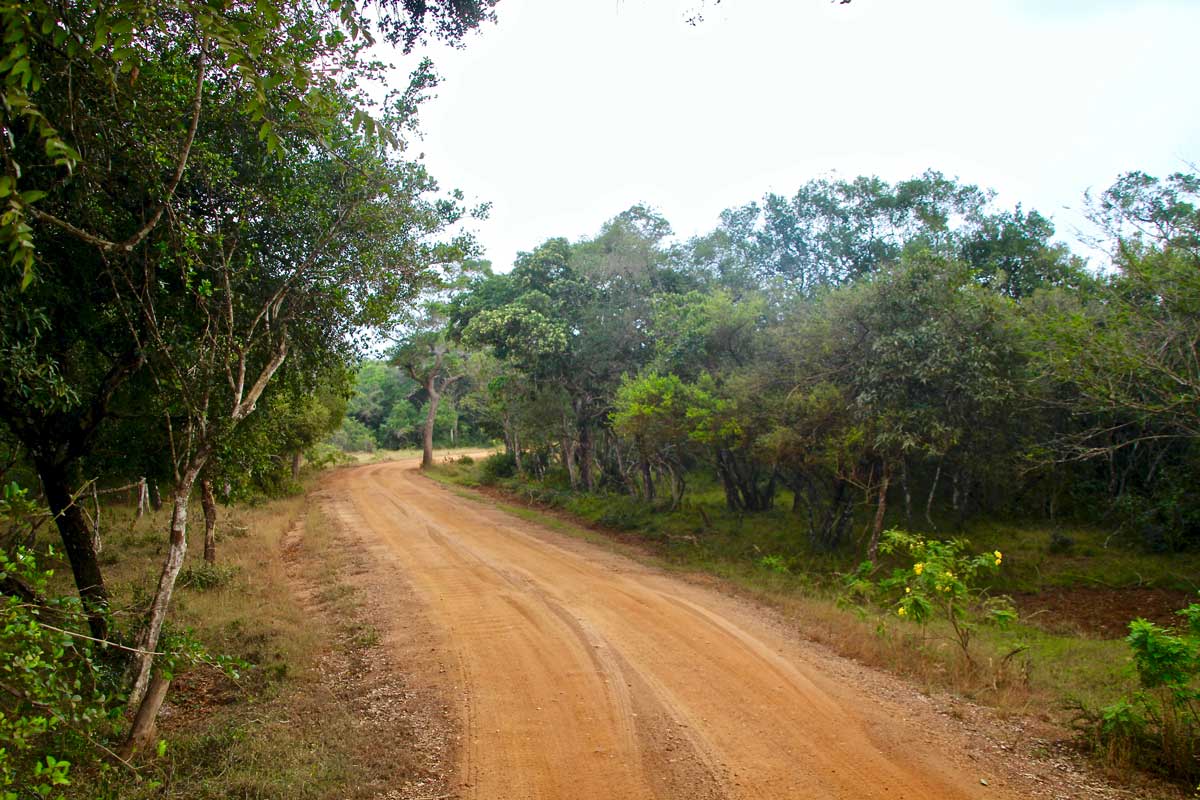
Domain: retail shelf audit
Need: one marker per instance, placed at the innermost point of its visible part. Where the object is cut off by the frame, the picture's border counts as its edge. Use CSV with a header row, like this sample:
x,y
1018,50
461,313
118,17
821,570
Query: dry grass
x,y
287,728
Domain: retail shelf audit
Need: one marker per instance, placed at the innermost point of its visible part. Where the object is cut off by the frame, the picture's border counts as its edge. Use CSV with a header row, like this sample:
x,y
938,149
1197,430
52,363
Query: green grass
x,y
766,556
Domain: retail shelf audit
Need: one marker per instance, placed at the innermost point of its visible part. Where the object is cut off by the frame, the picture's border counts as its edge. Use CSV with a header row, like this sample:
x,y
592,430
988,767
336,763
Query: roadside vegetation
x,y
211,217
834,388
1061,665
207,207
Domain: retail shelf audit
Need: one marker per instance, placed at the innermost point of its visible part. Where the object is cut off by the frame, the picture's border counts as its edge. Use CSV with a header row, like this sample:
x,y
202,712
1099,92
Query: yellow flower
x,y
908,590
901,611
998,555
918,568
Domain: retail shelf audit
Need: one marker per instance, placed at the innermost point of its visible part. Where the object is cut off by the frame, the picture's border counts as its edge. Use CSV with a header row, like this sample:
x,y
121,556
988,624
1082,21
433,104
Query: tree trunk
x,y
155,496
644,468
427,438
568,448
880,509
907,492
147,641
210,521
517,452
145,723
296,458
678,485
78,543
732,500
932,492
143,497
585,458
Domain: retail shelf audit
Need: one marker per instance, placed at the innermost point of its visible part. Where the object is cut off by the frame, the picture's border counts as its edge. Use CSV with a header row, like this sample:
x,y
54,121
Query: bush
x,y
1159,726
941,580
496,467
322,455
203,577
353,437
55,687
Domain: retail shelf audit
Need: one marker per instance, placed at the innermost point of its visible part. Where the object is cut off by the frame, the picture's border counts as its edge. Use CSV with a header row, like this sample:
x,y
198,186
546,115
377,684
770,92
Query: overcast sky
x,y
567,112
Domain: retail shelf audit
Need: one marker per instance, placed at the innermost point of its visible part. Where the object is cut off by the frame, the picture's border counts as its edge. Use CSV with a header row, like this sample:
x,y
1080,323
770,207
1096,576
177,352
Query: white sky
x,y
569,111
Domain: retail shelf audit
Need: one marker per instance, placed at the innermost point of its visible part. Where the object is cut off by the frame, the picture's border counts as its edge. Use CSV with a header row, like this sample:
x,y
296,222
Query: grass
x,y
283,730
765,556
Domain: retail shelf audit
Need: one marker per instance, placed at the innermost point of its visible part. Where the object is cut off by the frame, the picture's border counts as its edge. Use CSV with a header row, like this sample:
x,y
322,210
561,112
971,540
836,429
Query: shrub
x,y
774,563
942,580
203,577
497,466
1159,725
323,454
54,685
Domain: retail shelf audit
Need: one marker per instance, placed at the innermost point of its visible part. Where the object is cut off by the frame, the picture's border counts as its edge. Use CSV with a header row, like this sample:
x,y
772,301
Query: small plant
x,y
774,563
943,582
467,460
205,576
1160,724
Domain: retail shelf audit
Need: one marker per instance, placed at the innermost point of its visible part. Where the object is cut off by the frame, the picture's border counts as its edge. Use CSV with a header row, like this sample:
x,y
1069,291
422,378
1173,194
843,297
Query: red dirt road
x,y
582,674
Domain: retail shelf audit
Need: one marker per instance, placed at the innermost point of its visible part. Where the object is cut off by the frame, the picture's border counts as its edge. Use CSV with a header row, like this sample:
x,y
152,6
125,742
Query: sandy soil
x,y
577,673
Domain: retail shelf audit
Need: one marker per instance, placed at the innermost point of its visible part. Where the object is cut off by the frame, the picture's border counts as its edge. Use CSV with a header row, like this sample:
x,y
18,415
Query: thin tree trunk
x,y
427,438
907,492
210,521
297,457
145,722
79,546
147,641
932,492
585,458
155,496
569,461
644,468
143,498
678,485
517,452
880,509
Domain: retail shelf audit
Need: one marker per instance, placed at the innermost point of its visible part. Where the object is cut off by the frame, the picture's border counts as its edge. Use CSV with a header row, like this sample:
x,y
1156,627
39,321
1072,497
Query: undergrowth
x,y
1017,667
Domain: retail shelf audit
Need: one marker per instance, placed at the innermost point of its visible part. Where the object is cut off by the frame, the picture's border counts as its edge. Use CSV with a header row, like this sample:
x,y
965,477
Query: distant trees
x,y
870,349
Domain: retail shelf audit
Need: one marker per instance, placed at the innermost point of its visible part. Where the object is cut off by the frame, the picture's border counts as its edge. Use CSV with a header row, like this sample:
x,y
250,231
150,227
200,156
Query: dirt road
x,y
582,674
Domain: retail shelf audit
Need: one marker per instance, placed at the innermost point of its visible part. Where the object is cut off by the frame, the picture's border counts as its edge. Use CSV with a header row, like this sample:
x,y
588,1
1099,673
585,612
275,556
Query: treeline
x,y
863,351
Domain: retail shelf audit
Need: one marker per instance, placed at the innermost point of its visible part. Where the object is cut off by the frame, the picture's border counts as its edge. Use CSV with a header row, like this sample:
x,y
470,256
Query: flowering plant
x,y
944,581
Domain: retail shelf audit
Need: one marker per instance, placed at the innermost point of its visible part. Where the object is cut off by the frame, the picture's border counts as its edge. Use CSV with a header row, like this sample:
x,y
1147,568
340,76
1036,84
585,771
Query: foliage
x,y
497,466
57,691
1160,724
942,582
353,437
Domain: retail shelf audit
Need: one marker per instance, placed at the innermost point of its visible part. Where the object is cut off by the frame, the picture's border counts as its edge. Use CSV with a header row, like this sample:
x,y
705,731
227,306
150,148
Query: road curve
x,y
583,674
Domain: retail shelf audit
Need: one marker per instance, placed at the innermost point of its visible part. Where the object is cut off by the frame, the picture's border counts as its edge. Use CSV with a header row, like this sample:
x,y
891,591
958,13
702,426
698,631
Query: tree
x,y
653,410
430,359
1119,362
105,110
